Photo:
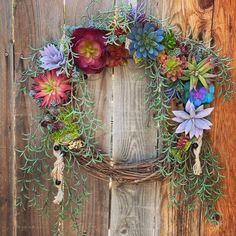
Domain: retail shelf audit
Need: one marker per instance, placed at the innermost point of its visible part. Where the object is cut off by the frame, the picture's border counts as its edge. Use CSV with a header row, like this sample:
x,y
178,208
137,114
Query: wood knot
x,y
216,217
123,231
205,4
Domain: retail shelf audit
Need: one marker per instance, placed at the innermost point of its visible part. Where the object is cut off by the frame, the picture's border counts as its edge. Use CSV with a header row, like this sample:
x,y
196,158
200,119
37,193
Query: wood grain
x,y
7,170
134,208
94,219
224,125
34,22
193,18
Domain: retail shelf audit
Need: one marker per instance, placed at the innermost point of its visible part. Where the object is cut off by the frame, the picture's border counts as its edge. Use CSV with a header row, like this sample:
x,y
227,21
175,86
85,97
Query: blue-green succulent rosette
x,y
146,40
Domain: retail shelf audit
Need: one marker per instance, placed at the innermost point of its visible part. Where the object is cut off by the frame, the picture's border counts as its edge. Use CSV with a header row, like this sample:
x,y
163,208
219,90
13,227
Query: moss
x,y
70,131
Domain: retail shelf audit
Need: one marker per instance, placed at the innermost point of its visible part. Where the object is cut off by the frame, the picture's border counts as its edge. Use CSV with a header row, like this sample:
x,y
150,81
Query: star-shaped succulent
x,y
51,89
198,72
192,121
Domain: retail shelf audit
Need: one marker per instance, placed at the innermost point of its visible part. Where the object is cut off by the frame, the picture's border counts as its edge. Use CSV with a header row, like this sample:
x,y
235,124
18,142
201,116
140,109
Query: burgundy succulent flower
x,y
90,46
117,55
53,125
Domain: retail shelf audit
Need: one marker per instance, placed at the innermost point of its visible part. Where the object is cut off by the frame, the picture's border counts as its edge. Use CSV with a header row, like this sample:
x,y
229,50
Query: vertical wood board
x,y
7,178
94,218
223,132
34,23
134,208
192,18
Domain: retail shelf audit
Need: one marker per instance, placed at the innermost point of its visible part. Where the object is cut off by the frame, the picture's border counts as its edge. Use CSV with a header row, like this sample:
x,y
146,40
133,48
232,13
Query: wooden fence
x,y
124,210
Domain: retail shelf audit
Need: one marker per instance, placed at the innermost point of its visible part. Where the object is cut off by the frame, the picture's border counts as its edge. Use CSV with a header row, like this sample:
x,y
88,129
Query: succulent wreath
x,y
181,77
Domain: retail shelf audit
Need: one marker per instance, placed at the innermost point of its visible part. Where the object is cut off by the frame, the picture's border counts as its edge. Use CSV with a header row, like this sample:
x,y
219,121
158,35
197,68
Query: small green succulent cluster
x,y
169,41
70,131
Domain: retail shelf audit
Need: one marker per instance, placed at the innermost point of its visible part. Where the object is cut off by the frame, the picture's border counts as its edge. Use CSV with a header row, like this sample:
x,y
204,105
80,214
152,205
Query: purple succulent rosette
x,y
137,16
200,95
51,57
192,121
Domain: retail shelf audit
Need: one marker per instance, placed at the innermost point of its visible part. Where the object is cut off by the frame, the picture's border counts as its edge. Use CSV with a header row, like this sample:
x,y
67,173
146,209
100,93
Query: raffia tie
x,y
57,175
197,169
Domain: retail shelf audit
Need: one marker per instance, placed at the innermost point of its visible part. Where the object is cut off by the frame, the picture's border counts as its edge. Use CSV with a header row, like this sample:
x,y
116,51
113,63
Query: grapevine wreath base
x,y
181,75
123,172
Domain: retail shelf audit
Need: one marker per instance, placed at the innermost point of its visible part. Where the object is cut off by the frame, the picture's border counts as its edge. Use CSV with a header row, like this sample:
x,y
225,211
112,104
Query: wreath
x,y
181,76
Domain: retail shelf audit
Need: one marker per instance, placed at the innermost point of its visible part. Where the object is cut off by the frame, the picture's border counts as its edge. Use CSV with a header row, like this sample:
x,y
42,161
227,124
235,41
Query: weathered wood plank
x,y
7,180
195,17
224,125
192,17
94,218
35,22
134,208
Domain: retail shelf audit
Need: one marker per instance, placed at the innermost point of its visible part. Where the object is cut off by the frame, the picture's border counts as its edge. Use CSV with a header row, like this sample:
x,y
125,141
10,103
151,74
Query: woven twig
x,y
122,172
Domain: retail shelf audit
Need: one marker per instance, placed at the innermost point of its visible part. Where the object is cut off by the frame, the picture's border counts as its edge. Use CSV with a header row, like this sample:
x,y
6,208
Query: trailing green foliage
x,y
205,188
35,184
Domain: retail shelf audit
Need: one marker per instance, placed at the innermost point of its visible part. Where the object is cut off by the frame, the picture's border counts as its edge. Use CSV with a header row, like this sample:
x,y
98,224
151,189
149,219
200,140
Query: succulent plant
x,y
49,89
70,129
169,41
161,58
198,72
137,60
192,121
184,49
136,15
51,124
146,40
200,95
182,147
173,67
89,45
51,57
182,141
172,93
117,55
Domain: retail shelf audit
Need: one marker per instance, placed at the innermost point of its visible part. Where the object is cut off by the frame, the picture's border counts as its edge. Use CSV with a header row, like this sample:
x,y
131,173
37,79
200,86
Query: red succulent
x,y
90,46
51,89
182,141
117,55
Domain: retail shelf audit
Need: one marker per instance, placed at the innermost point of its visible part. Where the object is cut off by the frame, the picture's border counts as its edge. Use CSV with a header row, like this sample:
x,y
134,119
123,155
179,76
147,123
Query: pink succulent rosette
x,y
51,89
90,46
